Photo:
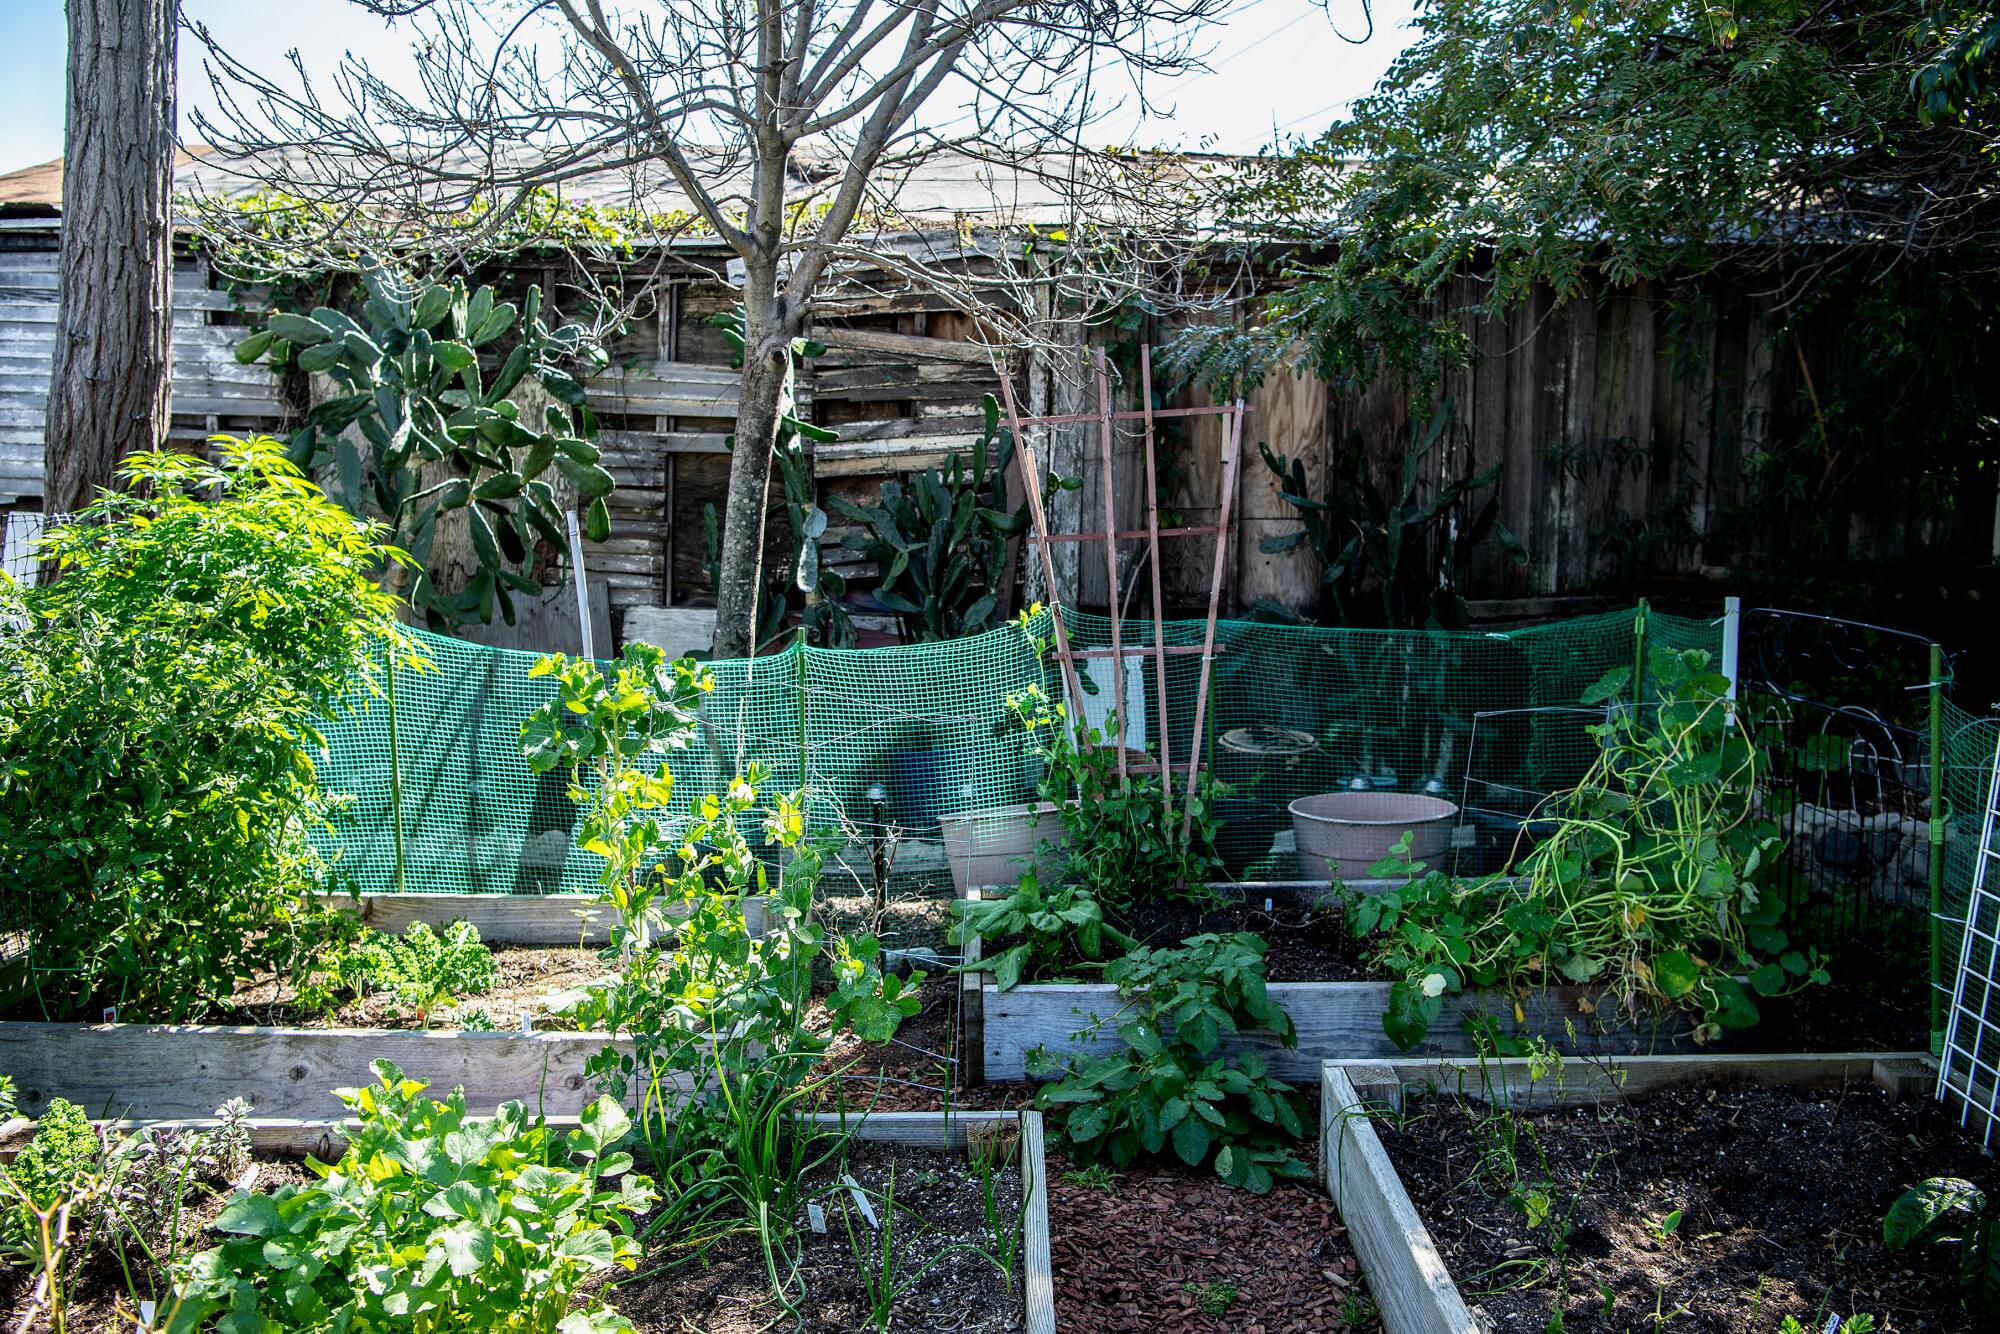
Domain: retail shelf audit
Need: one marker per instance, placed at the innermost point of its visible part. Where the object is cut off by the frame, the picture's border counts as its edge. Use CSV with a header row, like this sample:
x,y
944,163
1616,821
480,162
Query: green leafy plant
x,y
432,1220
1045,925
1170,1082
56,1167
720,1053
1950,1212
1408,550
437,435
160,707
939,539
425,971
1647,881
1211,1298
1115,836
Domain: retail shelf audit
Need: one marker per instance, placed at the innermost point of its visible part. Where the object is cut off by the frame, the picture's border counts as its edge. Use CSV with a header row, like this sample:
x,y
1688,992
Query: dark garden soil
x,y
940,1206
913,1072
97,1300
1304,944
1781,1194
529,975
1160,1249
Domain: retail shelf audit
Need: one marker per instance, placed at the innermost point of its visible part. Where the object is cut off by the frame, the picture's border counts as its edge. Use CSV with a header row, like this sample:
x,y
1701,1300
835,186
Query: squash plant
x,y
1651,880
431,1220
1170,1084
439,434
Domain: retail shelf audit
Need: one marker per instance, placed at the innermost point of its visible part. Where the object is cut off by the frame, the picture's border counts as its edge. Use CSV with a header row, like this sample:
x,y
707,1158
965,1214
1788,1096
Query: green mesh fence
x,y
885,741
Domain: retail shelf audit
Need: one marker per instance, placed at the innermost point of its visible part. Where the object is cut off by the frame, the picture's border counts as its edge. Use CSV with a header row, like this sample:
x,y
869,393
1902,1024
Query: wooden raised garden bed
x,y
1333,1020
940,1131
1409,1273
150,1072
506,919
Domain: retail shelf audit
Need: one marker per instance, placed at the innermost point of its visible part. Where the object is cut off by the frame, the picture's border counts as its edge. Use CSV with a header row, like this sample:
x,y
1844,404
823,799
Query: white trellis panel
x,y
1969,1069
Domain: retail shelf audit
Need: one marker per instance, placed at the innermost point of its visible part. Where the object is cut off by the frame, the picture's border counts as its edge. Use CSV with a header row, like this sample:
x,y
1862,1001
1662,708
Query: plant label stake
x,y
860,1200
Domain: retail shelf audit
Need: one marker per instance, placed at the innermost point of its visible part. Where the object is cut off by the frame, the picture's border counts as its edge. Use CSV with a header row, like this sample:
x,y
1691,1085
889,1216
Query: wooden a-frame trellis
x,y
1158,650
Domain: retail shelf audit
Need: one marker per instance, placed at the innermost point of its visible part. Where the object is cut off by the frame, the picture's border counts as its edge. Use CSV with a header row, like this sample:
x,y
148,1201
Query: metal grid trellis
x,y
1969,1067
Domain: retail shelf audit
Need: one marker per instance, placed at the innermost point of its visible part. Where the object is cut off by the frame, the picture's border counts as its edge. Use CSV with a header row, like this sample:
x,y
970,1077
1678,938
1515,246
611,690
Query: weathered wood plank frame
x,y
1406,1274
946,1131
1333,1020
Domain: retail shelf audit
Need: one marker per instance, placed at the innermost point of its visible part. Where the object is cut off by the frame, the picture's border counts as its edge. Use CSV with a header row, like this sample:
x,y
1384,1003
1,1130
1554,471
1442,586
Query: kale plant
x,y
423,970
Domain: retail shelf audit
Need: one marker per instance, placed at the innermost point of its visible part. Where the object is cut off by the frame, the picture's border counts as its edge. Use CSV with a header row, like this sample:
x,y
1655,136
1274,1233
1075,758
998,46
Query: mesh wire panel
x,y
1970,743
884,741
1969,1068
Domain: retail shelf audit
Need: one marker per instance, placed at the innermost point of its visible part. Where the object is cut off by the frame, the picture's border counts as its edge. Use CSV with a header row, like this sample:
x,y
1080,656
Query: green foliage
x,y
940,541
159,714
720,1006
1957,75
1647,883
423,970
437,435
432,1220
1948,1211
1045,926
1409,548
1524,152
1211,1298
1116,839
63,1155
1170,1083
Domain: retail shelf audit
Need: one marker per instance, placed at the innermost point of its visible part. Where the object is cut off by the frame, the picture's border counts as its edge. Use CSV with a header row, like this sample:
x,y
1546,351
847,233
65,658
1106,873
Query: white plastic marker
x,y
145,1325
860,1200
527,1022
111,1014
815,1217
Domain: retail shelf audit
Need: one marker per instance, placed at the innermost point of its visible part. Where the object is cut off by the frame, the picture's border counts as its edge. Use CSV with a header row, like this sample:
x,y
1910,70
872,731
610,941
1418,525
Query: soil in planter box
x,y
1304,945
1161,1248
529,975
1781,1194
939,1205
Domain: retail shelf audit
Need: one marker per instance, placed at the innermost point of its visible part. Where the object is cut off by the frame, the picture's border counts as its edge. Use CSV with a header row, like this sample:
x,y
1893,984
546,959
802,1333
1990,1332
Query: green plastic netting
x,y
884,741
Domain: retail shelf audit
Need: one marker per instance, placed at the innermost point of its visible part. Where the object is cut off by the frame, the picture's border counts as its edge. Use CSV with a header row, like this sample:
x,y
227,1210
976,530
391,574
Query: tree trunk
x,y
740,569
108,392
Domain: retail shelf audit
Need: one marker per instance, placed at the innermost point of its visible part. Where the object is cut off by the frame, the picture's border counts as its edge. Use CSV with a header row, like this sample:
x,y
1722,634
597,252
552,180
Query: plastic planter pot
x,y
1341,834
992,847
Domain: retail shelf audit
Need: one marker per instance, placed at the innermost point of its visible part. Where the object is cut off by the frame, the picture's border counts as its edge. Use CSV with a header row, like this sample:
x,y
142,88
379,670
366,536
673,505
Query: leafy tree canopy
x,y
1542,141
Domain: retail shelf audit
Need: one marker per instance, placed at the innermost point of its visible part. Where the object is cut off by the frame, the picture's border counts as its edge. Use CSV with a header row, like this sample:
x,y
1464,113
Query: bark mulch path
x,y
1781,1194
1163,1248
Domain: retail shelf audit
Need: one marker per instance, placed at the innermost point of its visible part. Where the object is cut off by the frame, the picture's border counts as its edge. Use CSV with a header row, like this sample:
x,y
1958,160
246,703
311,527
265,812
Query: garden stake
x,y
1937,848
